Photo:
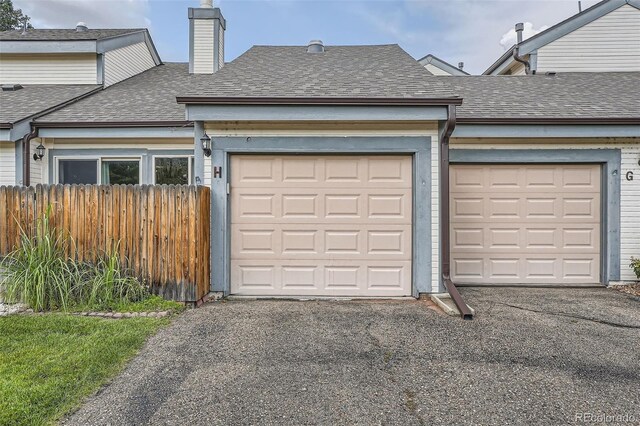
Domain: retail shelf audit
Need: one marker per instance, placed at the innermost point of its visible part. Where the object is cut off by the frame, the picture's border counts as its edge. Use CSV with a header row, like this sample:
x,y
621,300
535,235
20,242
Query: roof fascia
x,y
443,65
501,64
53,46
97,132
546,131
117,42
315,113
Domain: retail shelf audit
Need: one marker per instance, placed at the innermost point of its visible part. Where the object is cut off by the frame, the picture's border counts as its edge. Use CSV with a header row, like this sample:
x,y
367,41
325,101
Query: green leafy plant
x,y
40,273
635,265
37,272
106,284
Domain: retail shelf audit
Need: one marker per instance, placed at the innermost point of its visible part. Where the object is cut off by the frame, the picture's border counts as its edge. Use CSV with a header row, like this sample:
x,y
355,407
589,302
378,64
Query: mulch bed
x,y
633,289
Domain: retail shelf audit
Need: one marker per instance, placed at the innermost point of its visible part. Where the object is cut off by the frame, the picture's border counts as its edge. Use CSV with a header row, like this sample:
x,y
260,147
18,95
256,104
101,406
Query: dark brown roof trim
x,y
318,101
6,126
550,120
111,124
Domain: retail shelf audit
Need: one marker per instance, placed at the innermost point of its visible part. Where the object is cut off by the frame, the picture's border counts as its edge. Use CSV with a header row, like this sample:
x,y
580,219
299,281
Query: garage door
x,y
525,224
321,225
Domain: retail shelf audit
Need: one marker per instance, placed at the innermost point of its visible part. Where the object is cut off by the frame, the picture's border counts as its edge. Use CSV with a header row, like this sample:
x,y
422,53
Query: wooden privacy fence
x,y
161,231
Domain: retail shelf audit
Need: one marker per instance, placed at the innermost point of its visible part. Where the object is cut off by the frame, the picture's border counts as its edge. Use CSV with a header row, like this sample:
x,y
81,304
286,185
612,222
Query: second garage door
x,y
321,225
525,224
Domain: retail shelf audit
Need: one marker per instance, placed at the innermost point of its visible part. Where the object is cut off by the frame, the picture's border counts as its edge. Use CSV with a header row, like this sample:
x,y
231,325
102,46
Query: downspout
x,y
445,244
26,155
518,58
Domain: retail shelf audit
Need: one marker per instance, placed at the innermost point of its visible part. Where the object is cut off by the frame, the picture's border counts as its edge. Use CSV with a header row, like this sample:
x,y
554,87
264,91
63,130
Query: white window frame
x,y
189,165
99,160
108,159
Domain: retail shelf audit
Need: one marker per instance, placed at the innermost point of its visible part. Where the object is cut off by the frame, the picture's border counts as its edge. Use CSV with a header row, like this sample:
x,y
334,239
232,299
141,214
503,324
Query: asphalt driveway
x,y
540,356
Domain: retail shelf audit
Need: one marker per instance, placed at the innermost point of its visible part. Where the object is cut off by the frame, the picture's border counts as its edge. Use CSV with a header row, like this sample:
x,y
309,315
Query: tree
x,y
10,18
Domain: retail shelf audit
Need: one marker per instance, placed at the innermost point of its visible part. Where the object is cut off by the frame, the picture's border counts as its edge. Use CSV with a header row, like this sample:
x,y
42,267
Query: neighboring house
x,y
74,56
544,178
602,38
437,66
44,69
326,173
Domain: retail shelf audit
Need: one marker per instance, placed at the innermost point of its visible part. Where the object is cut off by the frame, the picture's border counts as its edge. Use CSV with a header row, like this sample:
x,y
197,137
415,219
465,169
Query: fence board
x,y
163,231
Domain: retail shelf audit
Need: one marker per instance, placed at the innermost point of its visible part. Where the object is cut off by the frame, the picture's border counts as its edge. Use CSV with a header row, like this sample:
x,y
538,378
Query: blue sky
x,y
454,30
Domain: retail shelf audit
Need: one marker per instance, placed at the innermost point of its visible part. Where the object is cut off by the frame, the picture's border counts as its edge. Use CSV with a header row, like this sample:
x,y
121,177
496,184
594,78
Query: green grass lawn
x,y
49,363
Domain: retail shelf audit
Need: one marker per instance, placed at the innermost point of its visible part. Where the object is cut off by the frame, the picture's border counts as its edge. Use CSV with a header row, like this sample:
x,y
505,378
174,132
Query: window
x,y
90,171
78,171
172,170
120,172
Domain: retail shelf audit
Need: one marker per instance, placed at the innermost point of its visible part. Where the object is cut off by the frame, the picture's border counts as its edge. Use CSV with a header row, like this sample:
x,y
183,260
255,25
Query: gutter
x,y
445,236
109,124
318,101
550,120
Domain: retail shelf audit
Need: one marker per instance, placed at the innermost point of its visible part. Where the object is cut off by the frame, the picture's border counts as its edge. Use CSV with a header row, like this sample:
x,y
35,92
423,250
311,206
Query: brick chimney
x,y
206,38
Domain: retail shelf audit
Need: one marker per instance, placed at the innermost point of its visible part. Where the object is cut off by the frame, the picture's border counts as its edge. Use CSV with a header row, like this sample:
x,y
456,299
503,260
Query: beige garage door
x,y
525,224
321,225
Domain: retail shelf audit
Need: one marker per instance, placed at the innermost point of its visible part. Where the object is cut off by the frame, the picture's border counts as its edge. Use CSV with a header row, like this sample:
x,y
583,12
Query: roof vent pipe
x,y
315,46
81,26
207,4
460,65
519,31
516,50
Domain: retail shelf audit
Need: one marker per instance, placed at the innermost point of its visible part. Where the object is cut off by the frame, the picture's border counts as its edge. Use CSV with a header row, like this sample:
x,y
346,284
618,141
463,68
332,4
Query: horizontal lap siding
x,y
80,68
629,192
630,211
120,64
610,43
7,163
203,46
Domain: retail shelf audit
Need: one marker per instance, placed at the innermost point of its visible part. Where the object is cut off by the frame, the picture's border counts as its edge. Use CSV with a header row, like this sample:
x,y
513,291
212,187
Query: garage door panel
x,y
528,269
321,278
308,241
525,224
325,205
321,225
525,238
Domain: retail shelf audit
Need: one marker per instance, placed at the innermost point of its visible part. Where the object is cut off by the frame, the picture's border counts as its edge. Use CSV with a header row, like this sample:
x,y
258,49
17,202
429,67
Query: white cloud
x,y
95,13
467,30
510,37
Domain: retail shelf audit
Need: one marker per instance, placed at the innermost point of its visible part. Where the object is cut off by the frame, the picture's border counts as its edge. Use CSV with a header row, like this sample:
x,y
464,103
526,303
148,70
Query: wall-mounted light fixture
x,y
206,144
39,152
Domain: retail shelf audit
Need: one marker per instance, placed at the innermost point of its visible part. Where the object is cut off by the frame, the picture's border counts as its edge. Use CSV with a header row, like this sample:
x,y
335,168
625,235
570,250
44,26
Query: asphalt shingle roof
x,y
32,99
151,95
148,96
564,95
381,71
65,34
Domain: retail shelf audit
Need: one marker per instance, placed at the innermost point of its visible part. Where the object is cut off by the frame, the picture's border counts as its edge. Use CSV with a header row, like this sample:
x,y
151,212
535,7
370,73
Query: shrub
x,y
106,284
40,274
635,265
37,271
